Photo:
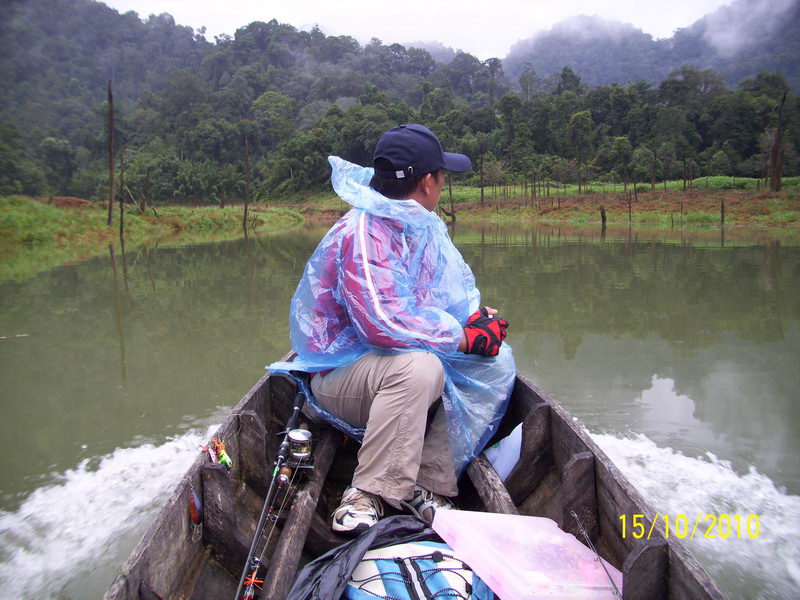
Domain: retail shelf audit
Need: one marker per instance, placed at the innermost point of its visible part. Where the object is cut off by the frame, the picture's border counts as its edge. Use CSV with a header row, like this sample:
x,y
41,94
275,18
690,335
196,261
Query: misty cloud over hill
x,y
738,41
438,51
744,24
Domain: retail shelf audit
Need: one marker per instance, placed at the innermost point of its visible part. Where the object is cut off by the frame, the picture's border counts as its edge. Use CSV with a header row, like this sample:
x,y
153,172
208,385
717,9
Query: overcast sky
x,y
485,28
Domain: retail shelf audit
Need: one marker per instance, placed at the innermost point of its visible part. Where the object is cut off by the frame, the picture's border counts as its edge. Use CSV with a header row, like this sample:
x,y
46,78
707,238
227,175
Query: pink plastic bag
x,y
523,557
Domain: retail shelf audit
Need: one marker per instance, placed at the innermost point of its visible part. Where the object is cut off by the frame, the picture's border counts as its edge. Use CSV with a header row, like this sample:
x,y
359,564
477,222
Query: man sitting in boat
x,y
386,318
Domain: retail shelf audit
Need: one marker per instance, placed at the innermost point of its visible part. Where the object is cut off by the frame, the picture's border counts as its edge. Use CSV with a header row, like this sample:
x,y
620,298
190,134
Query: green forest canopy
x,y
186,110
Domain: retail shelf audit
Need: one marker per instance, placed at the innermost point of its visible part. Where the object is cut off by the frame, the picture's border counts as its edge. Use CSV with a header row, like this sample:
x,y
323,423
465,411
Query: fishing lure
x,y
222,456
195,509
211,453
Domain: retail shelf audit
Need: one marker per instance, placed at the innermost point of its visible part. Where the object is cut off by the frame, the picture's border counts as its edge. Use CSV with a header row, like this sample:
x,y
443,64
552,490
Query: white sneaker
x,y
427,503
357,512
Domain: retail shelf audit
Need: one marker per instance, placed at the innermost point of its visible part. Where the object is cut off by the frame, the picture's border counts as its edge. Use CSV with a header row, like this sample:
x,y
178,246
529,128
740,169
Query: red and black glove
x,y
484,333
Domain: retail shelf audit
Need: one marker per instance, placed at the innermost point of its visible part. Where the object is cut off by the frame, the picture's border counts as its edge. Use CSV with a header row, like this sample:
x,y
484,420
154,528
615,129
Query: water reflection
x,y
123,361
666,410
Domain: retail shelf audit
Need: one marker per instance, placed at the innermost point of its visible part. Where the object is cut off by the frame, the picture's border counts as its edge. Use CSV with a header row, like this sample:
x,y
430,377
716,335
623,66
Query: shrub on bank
x,y
720,182
700,218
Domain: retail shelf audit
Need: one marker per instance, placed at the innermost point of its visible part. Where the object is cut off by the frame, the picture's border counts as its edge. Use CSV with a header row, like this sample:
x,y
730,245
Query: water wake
x,y
69,538
765,567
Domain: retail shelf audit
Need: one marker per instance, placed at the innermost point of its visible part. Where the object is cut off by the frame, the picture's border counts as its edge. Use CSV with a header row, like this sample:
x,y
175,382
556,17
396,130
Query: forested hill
x,y
195,121
58,54
737,41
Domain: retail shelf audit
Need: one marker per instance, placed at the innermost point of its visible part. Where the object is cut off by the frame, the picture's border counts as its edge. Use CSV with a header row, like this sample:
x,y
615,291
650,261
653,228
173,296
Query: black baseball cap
x,y
415,150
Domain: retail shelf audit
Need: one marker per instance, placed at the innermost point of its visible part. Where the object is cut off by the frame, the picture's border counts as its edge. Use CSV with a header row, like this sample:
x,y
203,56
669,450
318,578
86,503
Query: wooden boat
x,y
560,470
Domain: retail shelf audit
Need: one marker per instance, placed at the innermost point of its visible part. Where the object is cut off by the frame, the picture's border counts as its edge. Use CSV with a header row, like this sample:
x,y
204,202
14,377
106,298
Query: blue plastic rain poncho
x,y
387,278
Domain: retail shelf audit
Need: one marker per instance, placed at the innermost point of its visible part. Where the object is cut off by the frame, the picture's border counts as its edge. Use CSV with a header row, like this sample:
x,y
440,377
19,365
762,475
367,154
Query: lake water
x,y
679,355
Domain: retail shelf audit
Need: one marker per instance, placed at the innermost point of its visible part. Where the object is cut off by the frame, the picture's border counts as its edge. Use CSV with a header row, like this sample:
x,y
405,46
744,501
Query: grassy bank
x,y
596,188
36,235
695,208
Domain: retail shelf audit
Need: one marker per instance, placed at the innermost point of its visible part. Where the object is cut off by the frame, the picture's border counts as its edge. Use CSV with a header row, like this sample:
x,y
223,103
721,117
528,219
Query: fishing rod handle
x,y
297,407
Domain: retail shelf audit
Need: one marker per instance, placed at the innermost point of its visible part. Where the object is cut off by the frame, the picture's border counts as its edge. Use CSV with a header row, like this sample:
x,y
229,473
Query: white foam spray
x,y
765,567
68,539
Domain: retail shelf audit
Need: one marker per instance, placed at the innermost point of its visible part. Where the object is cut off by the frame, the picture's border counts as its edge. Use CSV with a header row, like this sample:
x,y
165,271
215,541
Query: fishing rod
x,y
280,478
286,479
597,557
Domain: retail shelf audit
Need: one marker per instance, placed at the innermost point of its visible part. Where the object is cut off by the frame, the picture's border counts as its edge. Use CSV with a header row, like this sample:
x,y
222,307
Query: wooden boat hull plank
x,y
544,501
166,552
213,581
253,451
221,529
610,506
578,494
687,579
535,459
549,441
645,571
490,488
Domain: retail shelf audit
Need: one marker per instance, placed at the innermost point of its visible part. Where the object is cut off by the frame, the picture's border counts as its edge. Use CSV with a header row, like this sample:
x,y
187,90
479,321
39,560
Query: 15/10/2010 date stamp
x,y
708,526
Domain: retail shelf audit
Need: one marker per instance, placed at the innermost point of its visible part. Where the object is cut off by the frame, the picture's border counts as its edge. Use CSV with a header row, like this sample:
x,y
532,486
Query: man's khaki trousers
x,y
390,395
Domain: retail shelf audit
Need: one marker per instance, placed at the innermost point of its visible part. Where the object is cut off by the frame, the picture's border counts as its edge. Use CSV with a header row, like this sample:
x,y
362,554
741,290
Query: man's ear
x,y
428,181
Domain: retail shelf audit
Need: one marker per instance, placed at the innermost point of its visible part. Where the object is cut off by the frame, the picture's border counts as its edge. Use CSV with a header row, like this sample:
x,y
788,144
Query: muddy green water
x,y
681,357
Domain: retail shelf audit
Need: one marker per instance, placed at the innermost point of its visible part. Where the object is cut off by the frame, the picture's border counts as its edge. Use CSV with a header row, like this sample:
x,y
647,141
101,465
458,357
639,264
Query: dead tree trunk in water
x,y
110,154
776,152
481,176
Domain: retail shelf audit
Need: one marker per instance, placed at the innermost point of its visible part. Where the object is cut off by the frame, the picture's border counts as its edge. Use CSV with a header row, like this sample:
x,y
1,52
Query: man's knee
x,y
427,371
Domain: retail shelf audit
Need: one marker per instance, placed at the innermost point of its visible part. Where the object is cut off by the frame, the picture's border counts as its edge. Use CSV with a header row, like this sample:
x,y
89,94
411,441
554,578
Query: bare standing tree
x,y
452,212
121,196
111,189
